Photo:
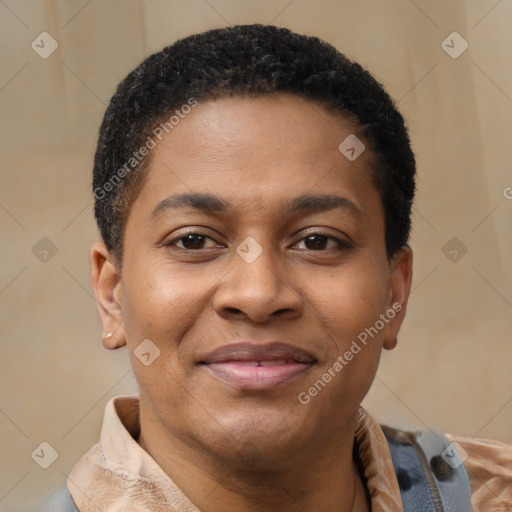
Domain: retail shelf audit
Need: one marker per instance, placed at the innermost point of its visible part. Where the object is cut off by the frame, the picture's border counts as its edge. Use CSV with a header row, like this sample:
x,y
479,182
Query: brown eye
x,y
193,241
319,242
316,242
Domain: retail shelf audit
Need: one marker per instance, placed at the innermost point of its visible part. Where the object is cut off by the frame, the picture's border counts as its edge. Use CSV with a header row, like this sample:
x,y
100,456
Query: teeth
x,y
277,362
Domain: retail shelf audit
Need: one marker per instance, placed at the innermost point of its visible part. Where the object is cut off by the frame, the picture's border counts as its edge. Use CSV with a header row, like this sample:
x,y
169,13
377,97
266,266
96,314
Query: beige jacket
x,y
117,475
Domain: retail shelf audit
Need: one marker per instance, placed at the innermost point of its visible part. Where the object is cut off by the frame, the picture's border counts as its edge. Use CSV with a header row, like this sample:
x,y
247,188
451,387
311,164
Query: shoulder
x,y
489,467
59,501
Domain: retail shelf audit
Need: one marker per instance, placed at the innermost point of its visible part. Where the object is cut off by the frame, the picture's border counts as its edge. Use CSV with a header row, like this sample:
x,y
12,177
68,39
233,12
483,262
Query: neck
x,y
322,477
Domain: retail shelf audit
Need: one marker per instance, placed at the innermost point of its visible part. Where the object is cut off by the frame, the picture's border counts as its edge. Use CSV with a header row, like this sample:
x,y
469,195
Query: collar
x,y
118,475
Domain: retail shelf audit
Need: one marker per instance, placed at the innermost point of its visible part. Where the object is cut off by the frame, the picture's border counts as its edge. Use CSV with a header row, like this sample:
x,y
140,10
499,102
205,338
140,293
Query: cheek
x,y
350,300
164,303
347,304
160,303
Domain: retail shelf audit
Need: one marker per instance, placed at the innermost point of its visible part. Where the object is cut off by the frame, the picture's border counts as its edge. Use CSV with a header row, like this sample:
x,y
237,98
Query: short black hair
x,y
245,60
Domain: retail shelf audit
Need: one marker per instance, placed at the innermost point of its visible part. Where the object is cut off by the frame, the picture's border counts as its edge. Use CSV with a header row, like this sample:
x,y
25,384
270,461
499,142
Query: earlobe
x,y
400,281
106,282
112,340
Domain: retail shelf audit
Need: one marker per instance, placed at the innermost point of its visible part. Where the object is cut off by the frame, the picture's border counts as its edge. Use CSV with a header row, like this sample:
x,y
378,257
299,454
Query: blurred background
x,y
448,64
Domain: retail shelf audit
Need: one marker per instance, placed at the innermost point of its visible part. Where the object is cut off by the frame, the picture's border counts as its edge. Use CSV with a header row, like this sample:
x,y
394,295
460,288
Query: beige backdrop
x,y
452,368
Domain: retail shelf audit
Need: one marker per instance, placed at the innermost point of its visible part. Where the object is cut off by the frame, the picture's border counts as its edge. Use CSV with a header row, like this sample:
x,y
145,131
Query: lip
x,y
258,366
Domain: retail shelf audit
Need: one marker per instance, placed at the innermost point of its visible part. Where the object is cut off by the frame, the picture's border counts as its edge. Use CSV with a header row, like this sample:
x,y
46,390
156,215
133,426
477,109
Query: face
x,y
254,261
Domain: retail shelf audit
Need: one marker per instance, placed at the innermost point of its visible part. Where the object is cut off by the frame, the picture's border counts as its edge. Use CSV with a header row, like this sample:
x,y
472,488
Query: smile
x,y
258,367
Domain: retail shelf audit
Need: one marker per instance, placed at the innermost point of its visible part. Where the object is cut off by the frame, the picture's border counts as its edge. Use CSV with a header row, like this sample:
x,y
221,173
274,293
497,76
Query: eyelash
x,y
341,244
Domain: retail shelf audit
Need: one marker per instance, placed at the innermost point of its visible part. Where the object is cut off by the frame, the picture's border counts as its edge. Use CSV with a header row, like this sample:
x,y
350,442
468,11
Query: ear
x,y
400,278
106,281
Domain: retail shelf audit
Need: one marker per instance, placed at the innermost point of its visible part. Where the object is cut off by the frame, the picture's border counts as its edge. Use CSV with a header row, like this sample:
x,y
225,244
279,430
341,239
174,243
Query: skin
x,y
236,449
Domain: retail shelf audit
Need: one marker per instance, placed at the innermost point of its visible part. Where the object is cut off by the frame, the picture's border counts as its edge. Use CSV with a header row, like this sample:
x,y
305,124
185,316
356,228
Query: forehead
x,y
284,124
256,152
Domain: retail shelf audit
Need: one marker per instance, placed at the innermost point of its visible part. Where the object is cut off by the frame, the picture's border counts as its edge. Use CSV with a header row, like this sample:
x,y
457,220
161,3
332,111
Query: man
x,y
253,193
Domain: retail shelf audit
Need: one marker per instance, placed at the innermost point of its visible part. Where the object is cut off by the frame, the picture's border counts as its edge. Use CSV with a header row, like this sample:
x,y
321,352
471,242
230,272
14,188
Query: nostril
x,y
281,312
233,311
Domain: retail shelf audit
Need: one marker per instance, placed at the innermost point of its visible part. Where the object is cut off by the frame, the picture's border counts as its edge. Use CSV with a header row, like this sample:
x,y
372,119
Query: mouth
x,y
252,366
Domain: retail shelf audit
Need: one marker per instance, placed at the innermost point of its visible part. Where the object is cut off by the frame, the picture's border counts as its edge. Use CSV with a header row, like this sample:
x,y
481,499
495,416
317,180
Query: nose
x,y
258,290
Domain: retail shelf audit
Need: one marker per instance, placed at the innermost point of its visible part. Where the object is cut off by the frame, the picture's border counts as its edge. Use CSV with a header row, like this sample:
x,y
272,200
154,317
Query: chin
x,y
258,456
261,442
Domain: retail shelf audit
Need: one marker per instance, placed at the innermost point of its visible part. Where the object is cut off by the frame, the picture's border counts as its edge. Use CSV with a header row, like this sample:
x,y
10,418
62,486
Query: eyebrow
x,y
209,203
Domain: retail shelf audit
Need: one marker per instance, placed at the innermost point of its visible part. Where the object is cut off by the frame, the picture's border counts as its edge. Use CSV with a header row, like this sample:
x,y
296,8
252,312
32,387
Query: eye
x,y
193,241
321,242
